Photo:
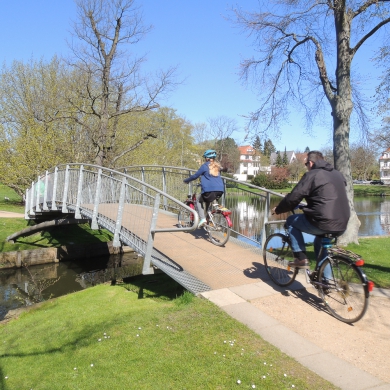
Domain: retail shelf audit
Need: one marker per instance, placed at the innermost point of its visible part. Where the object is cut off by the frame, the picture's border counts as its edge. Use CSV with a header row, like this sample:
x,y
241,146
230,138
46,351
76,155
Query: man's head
x,y
312,157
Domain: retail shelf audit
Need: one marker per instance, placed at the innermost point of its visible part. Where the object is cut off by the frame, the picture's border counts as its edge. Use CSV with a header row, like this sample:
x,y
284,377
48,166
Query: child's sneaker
x,y
202,222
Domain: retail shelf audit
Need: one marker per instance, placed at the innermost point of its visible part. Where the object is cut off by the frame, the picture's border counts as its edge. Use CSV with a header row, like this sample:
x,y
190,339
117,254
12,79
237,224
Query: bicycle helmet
x,y
210,153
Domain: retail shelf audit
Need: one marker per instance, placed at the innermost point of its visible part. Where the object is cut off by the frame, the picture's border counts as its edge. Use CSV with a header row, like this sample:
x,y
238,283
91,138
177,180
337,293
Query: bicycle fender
x,y
229,221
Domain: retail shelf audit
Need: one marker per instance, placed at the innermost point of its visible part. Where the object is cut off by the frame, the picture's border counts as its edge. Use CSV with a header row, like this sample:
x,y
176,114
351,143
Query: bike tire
x,y
184,219
277,253
346,295
218,229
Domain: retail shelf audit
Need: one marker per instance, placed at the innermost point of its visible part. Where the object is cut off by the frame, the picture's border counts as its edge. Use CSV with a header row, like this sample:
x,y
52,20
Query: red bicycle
x,y
217,224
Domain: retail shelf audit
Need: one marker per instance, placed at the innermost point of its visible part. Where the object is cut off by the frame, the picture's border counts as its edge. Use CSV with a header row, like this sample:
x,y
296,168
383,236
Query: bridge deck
x,y
190,258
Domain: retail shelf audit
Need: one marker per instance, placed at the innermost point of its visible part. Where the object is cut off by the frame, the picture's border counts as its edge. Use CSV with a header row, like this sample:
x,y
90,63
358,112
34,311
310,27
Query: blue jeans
x,y
298,223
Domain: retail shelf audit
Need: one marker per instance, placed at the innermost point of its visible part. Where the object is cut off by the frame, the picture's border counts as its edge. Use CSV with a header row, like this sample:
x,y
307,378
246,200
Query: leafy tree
x,y
278,179
31,138
111,85
296,170
221,128
363,162
268,148
231,155
298,41
307,149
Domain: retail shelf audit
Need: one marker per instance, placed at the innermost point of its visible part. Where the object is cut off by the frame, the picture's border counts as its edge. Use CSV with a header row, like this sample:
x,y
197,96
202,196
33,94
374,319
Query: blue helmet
x,y
210,153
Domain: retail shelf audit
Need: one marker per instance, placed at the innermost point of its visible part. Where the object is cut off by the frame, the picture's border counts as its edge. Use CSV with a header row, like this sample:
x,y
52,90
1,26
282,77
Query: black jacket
x,y
323,188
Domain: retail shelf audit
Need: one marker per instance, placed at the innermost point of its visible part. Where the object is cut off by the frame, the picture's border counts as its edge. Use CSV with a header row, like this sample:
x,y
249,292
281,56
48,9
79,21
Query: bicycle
x,y
217,224
345,293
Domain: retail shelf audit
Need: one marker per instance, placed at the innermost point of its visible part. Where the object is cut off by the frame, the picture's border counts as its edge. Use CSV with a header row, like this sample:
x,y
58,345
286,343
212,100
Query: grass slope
x,y
106,337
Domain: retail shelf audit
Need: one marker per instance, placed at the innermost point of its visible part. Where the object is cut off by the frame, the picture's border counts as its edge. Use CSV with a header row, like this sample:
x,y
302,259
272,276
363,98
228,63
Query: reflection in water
x,y
22,287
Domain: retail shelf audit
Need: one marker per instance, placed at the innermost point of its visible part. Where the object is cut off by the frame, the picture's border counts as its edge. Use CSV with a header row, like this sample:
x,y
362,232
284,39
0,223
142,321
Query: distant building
x,y
249,163
384,166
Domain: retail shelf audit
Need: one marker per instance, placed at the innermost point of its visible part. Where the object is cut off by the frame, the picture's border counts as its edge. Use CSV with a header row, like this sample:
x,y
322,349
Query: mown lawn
x,y
111,337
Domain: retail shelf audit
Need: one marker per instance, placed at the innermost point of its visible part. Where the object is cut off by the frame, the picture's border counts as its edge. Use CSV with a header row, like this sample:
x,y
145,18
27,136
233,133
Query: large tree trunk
x,y
341,110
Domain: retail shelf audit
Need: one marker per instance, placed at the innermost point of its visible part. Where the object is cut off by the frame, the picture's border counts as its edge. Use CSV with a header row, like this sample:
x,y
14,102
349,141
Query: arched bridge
x,y
140,204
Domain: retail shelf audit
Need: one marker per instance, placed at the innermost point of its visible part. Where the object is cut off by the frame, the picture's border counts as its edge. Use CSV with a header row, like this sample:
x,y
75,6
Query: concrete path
x,y
9,214
238,302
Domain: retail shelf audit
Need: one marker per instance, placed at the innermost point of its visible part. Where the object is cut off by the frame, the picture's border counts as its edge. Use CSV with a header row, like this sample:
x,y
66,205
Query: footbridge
x,y
140,205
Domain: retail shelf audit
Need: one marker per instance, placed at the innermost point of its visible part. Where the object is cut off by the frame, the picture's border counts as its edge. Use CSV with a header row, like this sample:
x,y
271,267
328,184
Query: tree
x,y
381,138
279,160
307,149
268,148
257,144
363,162
221,128
285,159
298,42
31,138
111,85
230,158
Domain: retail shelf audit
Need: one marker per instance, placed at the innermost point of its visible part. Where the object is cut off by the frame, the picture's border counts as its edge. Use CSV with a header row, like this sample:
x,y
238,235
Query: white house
x,y
249,163
290,157
384,166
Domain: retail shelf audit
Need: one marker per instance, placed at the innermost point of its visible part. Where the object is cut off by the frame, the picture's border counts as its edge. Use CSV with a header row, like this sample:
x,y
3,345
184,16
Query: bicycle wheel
x,y
184,219
346,293
277,253
218,229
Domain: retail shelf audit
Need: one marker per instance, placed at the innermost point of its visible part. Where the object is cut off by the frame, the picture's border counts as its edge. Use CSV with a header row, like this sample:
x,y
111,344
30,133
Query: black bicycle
x,y
341,283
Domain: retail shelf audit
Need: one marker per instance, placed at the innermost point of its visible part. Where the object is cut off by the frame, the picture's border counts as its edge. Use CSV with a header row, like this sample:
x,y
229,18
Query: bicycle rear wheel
x,y
184,219
218,229
277,253
346,293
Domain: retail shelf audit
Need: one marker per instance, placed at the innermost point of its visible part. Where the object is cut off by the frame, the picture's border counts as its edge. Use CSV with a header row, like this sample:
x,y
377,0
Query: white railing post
x,y
37,190
144,197
149,245
66,188
32,212
164,186
266,213
116,242
45,208
94,224
53,198
26,204
77,214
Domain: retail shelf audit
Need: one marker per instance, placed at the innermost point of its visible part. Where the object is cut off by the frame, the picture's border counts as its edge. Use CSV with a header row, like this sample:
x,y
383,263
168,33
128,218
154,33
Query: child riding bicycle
x,y
211,183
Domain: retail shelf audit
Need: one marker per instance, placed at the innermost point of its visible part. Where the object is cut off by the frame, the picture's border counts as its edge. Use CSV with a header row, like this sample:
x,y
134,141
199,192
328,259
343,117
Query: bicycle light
x,y
371,285
359,263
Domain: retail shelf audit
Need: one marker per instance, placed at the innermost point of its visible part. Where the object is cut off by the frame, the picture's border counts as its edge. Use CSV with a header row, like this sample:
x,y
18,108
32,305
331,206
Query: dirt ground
x,y
365,344
9,214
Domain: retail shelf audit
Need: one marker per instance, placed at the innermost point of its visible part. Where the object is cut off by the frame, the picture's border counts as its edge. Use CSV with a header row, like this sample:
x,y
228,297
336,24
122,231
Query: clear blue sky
x,y
190,34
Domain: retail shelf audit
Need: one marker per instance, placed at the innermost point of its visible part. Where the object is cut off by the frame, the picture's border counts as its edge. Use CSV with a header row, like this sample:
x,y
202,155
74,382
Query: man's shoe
x,y
299,263
202,222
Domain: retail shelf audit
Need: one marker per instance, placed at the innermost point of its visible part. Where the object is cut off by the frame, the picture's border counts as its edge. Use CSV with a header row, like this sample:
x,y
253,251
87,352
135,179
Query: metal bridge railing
x,y
250,204
124,205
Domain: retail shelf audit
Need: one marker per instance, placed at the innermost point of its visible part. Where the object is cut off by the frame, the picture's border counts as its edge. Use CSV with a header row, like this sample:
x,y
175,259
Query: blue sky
x,y
192,35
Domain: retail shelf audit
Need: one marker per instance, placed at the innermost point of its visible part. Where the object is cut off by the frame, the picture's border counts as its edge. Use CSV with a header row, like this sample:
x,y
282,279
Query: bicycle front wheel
x,y
277,253
218,229
343,289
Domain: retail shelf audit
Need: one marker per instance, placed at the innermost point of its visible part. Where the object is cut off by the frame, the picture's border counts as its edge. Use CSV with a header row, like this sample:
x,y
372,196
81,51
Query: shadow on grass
x,y
153,286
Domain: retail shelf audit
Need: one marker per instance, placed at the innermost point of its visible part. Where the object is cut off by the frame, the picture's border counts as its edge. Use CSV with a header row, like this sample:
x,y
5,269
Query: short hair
x,y
314,156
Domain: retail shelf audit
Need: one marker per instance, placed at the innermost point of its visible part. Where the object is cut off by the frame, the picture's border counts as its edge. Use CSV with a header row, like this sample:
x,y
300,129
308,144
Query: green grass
x,y
14,203
144,343
375,252
371,190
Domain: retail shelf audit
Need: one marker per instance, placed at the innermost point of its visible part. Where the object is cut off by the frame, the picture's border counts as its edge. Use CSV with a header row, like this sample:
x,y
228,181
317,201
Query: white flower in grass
x,y
253,386
139,328
99,339
75,368
238,382
91,364
265,363
6,377
292,385
285,374
104,333
264,376
137,335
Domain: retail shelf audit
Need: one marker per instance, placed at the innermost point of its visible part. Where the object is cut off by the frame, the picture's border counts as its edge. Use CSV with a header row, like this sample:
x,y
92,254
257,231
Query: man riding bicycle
x,y
327,210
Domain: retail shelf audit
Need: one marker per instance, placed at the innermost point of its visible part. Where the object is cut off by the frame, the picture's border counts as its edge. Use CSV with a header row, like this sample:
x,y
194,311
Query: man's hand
x,y
273,211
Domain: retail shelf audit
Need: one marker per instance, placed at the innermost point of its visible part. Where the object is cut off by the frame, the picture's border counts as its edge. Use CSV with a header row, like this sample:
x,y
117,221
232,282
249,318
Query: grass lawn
x,y
14,201
107,337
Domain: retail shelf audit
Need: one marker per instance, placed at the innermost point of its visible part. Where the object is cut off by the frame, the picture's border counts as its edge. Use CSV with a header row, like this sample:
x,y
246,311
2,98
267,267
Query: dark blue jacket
x,y
209,183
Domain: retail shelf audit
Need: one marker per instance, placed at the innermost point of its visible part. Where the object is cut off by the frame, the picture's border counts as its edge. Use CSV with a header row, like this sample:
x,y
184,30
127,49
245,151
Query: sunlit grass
x,y
106,337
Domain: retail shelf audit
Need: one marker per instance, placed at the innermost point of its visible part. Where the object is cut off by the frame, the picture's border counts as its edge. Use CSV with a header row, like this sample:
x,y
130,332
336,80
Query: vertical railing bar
x,y
144,200
116,242
149,246
53,201
32,212
79,188
26,204
45,208
38,185
266,212
94,224
65,193
164,185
